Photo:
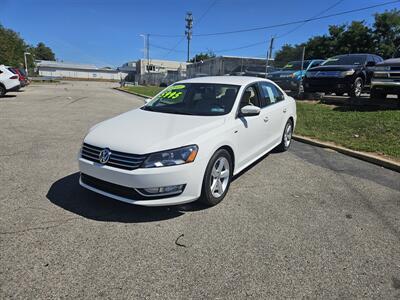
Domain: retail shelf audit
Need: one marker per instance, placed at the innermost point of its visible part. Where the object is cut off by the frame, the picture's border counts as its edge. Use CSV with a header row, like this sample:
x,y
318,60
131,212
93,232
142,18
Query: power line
x,y
317,15
288,23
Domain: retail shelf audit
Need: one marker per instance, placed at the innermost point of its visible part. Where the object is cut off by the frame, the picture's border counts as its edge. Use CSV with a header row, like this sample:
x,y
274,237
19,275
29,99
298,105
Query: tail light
x,y
14,77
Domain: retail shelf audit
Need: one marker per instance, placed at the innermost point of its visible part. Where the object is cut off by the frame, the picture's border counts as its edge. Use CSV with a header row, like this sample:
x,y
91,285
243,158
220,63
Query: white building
x,y
73,70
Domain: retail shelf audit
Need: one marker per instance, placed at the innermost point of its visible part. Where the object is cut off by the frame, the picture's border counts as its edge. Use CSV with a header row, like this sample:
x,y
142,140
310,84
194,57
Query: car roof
x,y
235,80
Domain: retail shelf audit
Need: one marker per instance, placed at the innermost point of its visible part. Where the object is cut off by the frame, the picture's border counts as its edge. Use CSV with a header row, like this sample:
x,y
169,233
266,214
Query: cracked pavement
x,y
308,223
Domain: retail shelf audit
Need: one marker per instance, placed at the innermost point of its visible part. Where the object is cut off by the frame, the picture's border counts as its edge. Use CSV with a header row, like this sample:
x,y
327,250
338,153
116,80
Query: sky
x,y
107,32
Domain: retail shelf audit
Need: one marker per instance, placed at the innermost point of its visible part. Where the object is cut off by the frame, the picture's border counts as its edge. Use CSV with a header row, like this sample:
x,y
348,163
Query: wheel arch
x,y
231,153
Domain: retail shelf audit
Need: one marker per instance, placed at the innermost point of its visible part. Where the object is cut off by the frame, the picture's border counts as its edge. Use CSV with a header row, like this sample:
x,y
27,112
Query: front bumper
x,y
191,175
327,85
386,85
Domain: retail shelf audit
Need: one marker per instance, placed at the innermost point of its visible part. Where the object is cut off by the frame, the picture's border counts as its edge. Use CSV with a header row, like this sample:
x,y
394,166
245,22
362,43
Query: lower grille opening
x,y
118,190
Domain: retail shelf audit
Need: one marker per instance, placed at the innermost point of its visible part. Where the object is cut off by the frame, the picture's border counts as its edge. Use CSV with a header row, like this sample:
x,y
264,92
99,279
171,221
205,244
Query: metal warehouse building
x,y
71,70
223,65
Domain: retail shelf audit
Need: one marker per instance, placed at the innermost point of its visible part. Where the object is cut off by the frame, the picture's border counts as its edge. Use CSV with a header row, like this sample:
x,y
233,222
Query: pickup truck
x,y
386,79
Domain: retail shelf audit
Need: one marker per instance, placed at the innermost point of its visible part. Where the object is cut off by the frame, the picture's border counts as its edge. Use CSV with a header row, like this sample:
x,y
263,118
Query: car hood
x,y
390,62
140,132
336,68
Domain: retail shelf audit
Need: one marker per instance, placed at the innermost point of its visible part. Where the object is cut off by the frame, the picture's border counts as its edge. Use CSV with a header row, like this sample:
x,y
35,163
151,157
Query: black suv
x,y
349,73
386,79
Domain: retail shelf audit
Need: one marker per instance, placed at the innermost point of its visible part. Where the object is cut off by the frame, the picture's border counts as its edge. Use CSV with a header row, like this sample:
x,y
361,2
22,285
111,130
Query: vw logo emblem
x,y
104,155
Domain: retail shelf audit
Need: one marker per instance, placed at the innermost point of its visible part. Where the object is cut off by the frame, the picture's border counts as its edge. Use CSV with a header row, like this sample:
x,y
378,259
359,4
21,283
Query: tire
x,y
357,88
286,137
212,192
2,91
377,95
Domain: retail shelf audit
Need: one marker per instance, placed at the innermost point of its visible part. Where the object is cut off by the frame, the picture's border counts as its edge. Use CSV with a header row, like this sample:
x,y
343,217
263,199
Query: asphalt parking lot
x,y
309,223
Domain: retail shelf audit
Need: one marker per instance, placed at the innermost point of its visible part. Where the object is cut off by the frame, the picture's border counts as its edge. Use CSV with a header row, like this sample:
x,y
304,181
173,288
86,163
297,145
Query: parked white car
x,y
8,81
188,141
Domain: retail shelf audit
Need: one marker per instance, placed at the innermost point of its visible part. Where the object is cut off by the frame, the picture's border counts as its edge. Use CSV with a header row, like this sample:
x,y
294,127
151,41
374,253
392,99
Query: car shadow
x,y
69,195
8,96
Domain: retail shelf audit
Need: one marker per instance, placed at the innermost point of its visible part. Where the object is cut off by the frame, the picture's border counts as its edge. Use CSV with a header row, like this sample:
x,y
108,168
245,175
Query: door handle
x,y
284,110
266,119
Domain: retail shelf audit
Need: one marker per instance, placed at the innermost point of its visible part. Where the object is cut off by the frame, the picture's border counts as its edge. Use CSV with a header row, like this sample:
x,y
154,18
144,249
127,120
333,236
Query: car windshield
x,y
296,65
345,60
202,99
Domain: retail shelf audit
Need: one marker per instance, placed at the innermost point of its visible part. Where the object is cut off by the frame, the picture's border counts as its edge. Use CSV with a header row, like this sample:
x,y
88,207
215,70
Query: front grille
x,y
116,189
395,75
117,159
395,68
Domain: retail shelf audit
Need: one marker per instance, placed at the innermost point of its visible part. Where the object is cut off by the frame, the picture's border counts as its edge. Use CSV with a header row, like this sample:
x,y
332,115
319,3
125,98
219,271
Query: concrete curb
x,y
380,161
133,93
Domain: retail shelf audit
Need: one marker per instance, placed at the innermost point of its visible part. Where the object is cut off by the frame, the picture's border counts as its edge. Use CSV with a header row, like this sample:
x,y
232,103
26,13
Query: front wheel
x,y
286,137
217,178
357,87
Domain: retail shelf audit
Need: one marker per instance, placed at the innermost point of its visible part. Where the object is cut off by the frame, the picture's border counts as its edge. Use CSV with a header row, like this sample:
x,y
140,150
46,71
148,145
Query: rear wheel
x,y
357,87
2,91
286,137
217,178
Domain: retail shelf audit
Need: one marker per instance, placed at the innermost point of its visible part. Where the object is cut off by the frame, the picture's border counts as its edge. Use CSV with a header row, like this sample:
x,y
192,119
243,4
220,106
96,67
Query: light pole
x,y
26,64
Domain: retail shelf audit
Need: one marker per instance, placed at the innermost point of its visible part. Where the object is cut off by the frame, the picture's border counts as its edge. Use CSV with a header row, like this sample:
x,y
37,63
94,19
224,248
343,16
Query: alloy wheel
x,y
287,136
220,174
358,88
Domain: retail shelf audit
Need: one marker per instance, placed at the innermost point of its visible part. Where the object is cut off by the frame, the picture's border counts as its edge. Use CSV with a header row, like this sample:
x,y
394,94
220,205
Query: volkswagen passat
x,y
188,141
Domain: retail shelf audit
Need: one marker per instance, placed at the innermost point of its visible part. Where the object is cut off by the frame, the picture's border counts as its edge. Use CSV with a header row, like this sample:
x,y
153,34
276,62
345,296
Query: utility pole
x,y
26,63
188,32
301,87
148,50
269,55
144,49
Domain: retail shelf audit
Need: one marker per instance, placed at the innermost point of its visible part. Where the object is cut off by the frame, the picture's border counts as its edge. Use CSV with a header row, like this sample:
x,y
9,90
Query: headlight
x,y
381,75
347,73
295,75
382,68
172,157
311,74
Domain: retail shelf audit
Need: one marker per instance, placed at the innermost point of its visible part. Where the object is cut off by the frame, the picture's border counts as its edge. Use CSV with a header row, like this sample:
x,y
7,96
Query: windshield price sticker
x,y
171,95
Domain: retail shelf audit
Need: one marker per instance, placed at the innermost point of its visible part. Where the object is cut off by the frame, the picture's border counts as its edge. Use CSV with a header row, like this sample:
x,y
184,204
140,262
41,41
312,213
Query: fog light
x,y
165,190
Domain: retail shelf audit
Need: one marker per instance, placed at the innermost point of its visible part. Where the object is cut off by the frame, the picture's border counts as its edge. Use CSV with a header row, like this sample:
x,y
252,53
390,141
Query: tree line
x,y
382,38
12,48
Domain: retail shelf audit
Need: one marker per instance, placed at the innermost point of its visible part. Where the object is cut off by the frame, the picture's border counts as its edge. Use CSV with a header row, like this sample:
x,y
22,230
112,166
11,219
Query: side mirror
x,y
147,100
250,110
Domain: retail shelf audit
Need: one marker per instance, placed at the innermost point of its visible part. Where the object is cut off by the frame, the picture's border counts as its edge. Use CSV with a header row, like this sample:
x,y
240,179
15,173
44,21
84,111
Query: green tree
x,y
287,53
203,56
386,30
12,47
42,52
383,38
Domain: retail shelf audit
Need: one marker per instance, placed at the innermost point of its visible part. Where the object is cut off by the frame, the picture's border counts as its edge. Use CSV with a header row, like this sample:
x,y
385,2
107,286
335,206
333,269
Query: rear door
x,y
274,112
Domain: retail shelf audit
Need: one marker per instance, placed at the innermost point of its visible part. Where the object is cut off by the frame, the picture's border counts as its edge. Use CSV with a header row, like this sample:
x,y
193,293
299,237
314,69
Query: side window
x,y
378,59
250,97
316,63
271,93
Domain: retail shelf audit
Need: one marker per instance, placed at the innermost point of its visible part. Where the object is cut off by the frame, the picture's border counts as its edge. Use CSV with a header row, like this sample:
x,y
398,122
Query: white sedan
x,y
188,141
